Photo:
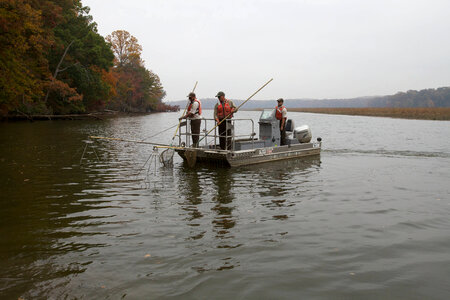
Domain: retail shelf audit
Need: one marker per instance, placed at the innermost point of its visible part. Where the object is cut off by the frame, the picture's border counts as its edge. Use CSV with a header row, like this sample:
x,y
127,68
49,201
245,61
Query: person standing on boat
x,y
281,115
194,114
223,109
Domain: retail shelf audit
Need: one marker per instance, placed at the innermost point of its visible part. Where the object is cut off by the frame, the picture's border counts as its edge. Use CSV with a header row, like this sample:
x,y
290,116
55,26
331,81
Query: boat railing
x,y
211,140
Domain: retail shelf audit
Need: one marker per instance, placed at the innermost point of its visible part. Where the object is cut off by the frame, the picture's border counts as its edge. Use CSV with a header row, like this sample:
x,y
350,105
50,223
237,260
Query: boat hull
x,y
253,156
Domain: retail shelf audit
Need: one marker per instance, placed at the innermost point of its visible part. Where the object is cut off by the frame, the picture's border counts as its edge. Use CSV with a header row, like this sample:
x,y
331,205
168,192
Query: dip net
x,y
166,157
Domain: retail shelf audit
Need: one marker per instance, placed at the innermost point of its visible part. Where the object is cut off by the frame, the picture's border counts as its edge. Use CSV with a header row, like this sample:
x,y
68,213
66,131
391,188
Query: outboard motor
x,y
303,134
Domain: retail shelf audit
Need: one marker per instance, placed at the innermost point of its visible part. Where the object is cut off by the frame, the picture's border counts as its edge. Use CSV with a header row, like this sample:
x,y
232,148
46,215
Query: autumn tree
x,y
23,64
125,47
137,89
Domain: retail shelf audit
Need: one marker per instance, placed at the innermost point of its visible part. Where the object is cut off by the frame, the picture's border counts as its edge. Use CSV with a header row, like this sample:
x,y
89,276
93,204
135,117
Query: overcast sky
x,y
311,48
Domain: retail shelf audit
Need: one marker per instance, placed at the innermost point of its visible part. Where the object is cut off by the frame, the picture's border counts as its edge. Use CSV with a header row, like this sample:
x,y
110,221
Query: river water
x,y
368,219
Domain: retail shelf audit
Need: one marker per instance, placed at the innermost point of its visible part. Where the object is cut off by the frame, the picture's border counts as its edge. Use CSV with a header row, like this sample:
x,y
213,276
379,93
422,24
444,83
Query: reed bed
x,y
422,113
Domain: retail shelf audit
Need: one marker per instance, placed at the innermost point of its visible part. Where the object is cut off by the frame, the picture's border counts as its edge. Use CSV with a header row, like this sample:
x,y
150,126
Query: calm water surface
x,y
368,219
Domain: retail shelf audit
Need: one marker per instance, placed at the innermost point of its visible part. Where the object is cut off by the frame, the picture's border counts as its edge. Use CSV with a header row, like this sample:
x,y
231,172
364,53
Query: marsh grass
x,y
422,113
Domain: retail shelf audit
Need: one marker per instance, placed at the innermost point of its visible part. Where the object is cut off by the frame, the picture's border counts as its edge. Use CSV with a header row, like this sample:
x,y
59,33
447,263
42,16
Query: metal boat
x,y
246,148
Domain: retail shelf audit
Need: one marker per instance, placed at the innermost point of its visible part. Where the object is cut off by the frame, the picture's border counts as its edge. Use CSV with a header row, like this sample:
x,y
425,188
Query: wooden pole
x,y
128,141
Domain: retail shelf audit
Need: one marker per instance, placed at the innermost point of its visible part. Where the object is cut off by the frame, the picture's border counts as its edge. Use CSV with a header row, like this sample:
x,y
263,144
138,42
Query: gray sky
x,y
312,48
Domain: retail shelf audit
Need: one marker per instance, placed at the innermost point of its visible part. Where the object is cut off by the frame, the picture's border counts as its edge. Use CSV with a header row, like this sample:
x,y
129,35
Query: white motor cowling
x,y
303,134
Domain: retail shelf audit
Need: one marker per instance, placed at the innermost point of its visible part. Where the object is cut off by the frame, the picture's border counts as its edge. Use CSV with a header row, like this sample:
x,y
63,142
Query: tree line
x,y
53,61
439,97
429,98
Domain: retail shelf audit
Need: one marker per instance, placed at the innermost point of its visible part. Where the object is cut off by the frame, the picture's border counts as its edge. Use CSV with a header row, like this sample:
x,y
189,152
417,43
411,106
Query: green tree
x,y
81,69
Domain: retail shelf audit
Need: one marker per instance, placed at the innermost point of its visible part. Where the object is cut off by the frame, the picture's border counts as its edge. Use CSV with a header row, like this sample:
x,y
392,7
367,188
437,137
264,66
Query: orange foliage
x,y
64,91
111,78
125,47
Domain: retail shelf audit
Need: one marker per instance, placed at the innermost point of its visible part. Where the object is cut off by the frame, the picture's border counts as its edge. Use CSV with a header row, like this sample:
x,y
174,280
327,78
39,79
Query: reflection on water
x,y
275,182
223,198
284,183
190,187
215,186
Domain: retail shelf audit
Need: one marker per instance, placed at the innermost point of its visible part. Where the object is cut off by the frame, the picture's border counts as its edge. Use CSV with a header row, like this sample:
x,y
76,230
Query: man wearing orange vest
x,y
280,114
223,109
194,114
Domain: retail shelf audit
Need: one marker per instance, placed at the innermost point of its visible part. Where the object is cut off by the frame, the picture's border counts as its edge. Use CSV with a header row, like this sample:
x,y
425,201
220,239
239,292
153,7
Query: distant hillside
x,y
424,98
253,104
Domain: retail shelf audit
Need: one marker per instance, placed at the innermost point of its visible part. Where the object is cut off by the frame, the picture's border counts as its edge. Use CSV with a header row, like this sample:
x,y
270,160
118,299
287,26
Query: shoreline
x,y
89,116
418,113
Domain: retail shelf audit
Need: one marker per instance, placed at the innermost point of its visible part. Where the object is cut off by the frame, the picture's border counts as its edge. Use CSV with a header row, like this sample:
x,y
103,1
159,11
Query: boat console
x,y
269,130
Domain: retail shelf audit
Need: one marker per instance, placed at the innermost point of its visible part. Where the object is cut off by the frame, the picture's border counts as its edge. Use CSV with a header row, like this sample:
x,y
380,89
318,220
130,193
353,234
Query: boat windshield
x,y
267,114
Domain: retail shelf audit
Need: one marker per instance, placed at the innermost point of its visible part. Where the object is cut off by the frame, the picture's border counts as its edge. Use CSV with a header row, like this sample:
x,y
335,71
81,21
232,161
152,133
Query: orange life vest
x,y
199,109
224,110
279,112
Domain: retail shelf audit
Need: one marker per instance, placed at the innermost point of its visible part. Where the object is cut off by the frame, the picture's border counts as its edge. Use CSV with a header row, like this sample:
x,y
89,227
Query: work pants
x,y
283,134
195,131
225,129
